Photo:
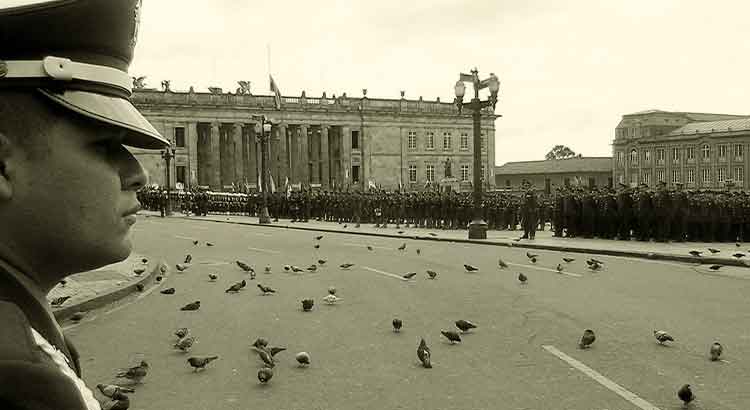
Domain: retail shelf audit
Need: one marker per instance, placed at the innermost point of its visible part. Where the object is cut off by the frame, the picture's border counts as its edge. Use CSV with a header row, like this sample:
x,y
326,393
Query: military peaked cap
x,y
77,53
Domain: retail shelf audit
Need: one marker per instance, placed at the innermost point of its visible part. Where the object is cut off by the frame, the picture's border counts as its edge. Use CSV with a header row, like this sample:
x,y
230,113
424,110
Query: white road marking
x,y
148,292
598,377
577,275
393,275
363,245
263,250
258,234
214,263
185,237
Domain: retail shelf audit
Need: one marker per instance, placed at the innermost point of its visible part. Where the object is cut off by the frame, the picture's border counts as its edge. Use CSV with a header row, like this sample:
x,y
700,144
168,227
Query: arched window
x,y
633,156
706,151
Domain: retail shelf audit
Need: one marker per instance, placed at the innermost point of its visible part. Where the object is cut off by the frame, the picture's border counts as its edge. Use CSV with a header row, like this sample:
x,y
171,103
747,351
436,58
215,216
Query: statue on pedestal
x,y
448,170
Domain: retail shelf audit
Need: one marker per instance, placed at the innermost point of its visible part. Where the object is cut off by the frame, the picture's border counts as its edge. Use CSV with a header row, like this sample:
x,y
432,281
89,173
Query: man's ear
x,y
6,149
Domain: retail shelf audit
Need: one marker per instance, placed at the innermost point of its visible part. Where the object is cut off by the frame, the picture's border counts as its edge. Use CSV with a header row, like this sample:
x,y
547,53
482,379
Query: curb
x,y
98,301
608,252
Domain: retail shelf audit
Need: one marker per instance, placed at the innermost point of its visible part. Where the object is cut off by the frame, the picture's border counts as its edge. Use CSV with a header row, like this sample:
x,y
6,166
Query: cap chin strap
x,y
65,70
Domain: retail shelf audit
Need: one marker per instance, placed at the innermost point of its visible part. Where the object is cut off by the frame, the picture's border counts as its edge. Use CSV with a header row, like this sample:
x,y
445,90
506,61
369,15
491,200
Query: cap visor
x,y
112,110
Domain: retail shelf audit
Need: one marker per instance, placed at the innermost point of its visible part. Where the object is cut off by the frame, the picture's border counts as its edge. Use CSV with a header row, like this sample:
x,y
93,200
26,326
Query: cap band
x,y
64,69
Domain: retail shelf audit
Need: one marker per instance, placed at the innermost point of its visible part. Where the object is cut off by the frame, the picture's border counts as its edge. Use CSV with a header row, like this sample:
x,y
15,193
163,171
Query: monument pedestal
x,y
450,183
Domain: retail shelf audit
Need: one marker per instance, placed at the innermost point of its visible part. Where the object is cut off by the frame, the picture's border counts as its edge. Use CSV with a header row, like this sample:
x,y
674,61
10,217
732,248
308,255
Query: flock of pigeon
x,y
118,399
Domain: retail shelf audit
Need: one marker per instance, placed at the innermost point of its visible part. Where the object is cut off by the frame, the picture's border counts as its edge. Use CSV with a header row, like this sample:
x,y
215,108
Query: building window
x,y
464,173
691,176
646,156
738,174
355,174
620,157
412,173
484,142
446,141
721,174
633,178
431,173
660,156
567,182
646,177
633,157
412,140
179,137
507,183
355,139
675,155
706,152
464,142
481,176
722,151
660,176
738,152
181,172
430,140
675,176
706,176
690,153
621,178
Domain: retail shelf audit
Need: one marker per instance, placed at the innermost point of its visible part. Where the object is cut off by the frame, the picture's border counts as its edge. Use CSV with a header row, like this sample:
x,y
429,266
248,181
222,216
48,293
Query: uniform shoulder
x,y
16,340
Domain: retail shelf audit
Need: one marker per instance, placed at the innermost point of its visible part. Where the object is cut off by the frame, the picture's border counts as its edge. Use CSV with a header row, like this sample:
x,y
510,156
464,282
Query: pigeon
x,y
432,234
737,244
431,274
423,353
346,265
587,339
307,304
470,268
110,390
662,336
402,247
185,343
595,266
297,269
209,244
267,269
260,343
287,267
192,306
714,267
212,277
316,246
451,335
409,275
685,394
144,260
266,289
140,287
596,261
200,362
331,299
465,325
522,278
195,242
369,248
321,262
243,283
182,332
715,351
713,250
136,373
265,374
568,260
303,358
188,258
159,278
56,302
533,260
252,275
739,255
501,263
331,290
695,253
265,356
167,291
234,288
419,251
345,225
312,268
118,401
139,271
401,232
319,237
531,255
181,267
397,323
274,350
559,268
77,316
244,266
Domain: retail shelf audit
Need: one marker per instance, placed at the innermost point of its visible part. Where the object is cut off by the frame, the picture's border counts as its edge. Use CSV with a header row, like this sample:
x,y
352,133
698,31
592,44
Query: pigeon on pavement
x,y
346,265
312,268
267,269
715,351
533,260
182,267
452,336
331,290
138,271
303,358
118,401
274,350
200,362
419,251
685,394
63,282
243,283
195,242
234,288
587,339
77,316
431,274
56,302
188,258
144,260
265,356
714,267
713,250
432,234
110,389
260,343
531,255
167,291
738,255
266,289
265,374
136,373
185,343
596,261
465,325
321,262
595,266
297,269
695,253
159,278
470,268
402,247
501,263
316,246
397,323
244,266
192,306
522,278
409,275
331,299
424,355
182,332
307,304
662,336
140,287
287,267
568,260
559,268
212,277
319,237
209,244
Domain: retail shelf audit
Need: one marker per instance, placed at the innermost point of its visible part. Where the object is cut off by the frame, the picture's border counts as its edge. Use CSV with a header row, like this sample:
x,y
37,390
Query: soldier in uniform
x,y
65,119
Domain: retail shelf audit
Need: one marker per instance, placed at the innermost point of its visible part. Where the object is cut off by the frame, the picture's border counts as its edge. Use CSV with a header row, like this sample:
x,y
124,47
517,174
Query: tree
x,y
560,152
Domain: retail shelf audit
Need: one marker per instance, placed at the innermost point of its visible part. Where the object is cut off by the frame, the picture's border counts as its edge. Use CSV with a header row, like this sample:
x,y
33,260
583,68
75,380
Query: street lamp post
x,y
167,154
477,227
262,138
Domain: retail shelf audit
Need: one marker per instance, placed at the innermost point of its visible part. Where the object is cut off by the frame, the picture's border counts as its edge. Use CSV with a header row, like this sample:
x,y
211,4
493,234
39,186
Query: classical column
x,y
214,168
282,156
192,146
304,157
489,170
251,153
239,176
325,160
346,156
364,136
313,149
404,173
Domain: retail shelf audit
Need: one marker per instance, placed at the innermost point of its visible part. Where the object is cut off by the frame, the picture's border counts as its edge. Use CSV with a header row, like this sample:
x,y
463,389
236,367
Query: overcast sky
x,y
568,69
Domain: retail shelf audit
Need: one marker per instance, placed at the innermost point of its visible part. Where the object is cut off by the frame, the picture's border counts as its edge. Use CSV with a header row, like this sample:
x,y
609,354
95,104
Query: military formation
x,y
625,213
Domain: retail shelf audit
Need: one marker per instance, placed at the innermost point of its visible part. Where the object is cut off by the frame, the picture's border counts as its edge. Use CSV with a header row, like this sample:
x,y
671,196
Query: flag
x,y
273,186
260,186
371,185
276,93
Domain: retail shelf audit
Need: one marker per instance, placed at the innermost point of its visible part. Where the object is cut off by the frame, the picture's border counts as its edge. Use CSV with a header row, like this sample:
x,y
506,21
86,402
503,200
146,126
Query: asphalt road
x,y
523,355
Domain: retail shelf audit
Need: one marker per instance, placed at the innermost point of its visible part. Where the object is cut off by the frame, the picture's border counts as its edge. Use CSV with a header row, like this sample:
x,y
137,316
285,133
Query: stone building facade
x,y
696,149
319,142
547,175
